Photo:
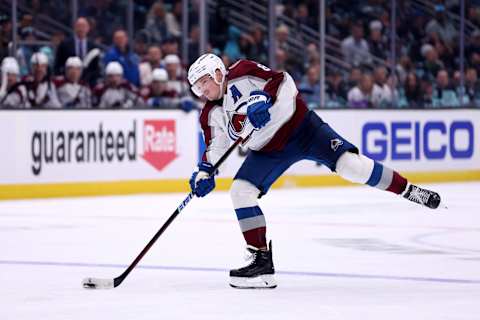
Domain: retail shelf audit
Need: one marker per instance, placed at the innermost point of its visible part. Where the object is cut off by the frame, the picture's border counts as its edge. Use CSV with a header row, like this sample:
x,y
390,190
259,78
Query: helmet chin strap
x,y
221,91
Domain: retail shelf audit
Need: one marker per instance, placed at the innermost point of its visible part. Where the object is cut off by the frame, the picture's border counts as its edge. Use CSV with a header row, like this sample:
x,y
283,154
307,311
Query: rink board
x,y
47,153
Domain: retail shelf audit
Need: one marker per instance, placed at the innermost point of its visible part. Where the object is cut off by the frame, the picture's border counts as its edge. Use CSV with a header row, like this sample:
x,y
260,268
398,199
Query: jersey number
x,y
261,66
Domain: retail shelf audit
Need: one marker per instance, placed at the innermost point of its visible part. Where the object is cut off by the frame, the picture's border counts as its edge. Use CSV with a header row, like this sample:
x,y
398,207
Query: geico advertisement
x,y
413,140
57,146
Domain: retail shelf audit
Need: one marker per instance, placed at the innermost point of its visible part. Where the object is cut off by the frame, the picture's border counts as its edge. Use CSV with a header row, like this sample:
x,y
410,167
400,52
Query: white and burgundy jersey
x,y
122,96
14,98
73,95
224,120
41,94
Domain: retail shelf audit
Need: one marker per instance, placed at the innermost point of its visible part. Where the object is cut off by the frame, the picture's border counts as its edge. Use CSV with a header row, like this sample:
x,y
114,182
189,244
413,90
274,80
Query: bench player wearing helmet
x,y
248,95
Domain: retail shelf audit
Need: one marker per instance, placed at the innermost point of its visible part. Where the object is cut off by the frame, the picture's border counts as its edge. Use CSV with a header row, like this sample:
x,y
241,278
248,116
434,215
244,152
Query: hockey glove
x,y
257,108
202,181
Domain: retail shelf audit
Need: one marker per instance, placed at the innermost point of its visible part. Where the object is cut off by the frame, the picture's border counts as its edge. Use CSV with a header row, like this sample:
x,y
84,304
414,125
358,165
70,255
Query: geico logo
x,y
82,146
405,140
161,140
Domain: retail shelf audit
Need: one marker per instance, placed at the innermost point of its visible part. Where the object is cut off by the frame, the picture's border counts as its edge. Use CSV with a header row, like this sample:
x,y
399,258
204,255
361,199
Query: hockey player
x,y
41,92
285,133
11,94
116,92
72,92
158,95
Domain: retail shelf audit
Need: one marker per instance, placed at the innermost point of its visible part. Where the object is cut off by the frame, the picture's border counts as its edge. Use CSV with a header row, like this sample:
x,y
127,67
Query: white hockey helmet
x,y
73,62
10,65
171,59
159,75
114,68
206,64
39,58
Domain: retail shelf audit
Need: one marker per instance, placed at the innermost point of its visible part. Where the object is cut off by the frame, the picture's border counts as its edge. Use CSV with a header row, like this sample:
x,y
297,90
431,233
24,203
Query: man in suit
x,y
79,46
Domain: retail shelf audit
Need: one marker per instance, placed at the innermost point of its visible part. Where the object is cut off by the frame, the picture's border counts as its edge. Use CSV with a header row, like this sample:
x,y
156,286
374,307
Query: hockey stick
x,y
98,283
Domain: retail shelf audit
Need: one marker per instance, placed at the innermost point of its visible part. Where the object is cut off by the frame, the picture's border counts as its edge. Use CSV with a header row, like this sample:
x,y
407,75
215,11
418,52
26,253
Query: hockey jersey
x,y
73,95
14,97
42,94
224,120
123,96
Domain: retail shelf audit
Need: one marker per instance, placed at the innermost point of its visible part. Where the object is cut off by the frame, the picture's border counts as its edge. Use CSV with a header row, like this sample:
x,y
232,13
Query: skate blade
x,y
266,281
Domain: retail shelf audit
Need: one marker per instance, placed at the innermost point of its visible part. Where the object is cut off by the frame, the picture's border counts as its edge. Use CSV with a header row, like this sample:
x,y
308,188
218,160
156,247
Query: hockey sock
x,y
387,179
253,226
361,169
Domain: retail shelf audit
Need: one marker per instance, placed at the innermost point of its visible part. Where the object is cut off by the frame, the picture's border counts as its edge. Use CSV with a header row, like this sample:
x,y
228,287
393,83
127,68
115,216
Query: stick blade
x,y
97,283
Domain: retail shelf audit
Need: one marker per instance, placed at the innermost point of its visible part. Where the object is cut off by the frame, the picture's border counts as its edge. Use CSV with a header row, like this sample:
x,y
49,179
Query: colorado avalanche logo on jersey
x,y
236,122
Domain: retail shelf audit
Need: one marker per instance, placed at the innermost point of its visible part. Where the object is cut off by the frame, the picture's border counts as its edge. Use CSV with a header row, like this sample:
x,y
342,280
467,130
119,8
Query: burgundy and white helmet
x,y
206,64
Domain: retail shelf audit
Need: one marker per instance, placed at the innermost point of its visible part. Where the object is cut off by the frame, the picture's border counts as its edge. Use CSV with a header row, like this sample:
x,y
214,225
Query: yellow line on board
x,y
80,189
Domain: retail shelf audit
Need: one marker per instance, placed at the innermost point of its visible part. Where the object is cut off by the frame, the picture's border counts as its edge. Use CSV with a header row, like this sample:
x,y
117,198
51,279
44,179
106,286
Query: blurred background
x,y
342,54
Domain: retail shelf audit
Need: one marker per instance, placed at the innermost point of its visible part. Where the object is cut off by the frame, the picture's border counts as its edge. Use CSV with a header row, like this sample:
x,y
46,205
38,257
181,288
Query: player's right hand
x,y
202,181
257,108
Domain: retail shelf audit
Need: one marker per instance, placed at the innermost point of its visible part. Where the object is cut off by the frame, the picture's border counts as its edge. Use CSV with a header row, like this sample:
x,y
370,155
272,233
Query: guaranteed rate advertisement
x,y
83,146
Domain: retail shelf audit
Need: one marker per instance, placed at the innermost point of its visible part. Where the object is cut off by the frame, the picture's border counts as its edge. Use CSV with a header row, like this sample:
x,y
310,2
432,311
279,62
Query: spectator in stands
x,y
282,35
309,88
161,24
72,92
473,14
365,94
141,44
176,75
380,76
26,50
11,95
153,61
431,65
281,59
79,45
312,56
377,43
232,47
5,35
411,95
40,91
444,94
258,46
121,53
336,90
354,77
472,87
441,25
116,92
169,46
404,67
193,44
473,47
355,47
108,16
302,16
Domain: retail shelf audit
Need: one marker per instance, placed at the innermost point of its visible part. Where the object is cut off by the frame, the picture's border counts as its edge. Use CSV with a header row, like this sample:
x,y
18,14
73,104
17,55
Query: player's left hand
x,y
257,108
202,181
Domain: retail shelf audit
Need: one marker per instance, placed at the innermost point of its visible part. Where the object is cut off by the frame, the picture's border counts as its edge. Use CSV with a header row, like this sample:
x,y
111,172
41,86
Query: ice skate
x,y
259,274
422,196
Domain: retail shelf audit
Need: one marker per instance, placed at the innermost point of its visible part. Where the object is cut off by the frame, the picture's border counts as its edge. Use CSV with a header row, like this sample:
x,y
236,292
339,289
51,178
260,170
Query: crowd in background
x,y
99,66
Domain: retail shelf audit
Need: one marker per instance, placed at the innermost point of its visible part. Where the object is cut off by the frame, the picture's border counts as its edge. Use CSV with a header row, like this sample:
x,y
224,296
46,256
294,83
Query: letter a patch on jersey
x,y
236,94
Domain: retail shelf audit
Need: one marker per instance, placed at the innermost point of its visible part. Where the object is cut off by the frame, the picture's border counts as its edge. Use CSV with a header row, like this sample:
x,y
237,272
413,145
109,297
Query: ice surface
x,y
340,253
